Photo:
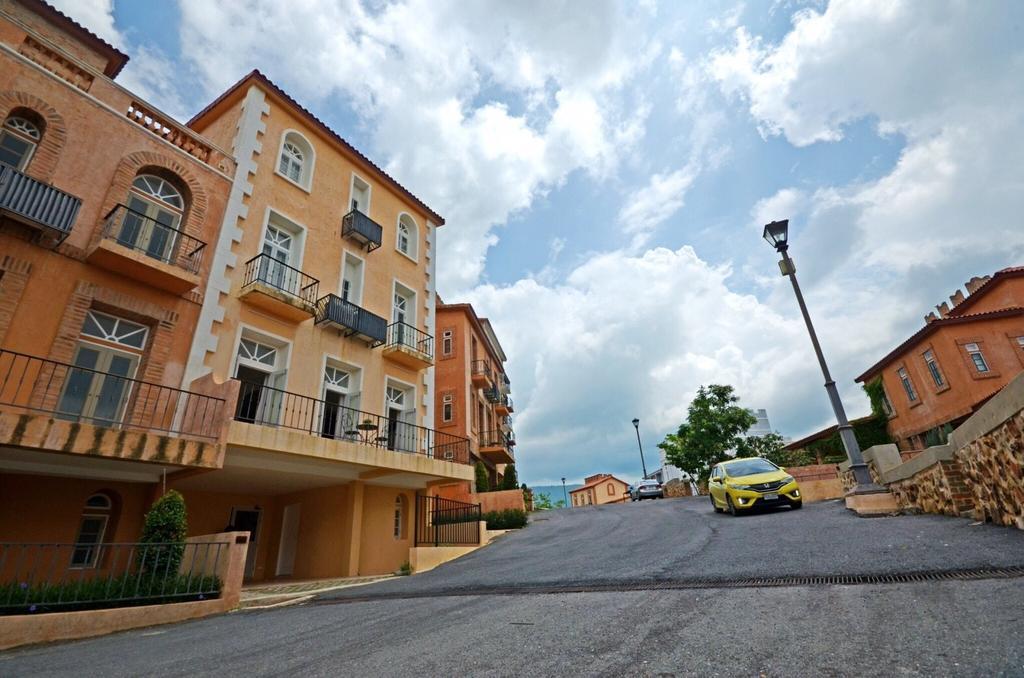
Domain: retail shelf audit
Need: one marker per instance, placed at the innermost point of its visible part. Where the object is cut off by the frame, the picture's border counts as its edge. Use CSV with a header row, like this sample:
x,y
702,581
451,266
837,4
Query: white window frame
x,y
399,518
407,387
938,378
19,134
297,228
448,408
345,254
908,385
414,236
282,344
976,351
411,302
449,337
352,191
308,163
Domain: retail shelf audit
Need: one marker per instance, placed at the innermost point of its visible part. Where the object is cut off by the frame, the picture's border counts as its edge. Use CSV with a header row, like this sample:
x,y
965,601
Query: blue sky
x,y
605,170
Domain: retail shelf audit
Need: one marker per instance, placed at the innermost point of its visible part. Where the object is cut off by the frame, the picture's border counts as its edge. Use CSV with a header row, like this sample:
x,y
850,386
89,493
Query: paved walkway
x,y
281,592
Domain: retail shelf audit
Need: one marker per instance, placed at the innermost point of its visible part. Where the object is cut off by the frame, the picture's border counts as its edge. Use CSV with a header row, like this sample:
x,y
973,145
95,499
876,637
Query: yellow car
x,y
741,484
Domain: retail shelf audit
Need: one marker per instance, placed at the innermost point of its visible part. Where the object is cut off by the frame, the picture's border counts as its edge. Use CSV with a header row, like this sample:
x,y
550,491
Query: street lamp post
x,y
643,464
565,497
777,235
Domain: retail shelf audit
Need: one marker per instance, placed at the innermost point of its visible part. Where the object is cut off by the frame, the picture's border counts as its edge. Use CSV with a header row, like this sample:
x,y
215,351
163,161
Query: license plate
x,y
772,495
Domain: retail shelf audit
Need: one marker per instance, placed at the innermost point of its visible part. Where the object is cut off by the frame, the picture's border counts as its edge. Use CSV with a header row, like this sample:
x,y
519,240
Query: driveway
x,y
485,614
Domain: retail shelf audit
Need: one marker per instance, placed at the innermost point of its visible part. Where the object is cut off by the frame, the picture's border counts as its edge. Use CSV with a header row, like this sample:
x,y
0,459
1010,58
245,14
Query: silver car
x,y
647,489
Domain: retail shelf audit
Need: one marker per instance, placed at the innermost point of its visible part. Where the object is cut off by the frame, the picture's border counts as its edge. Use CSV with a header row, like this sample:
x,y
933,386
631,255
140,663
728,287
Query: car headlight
x,y
787,480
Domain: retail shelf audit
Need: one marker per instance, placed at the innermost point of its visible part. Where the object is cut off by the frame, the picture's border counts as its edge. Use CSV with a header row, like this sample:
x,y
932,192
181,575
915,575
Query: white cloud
x,y
652,205
479,108
96,15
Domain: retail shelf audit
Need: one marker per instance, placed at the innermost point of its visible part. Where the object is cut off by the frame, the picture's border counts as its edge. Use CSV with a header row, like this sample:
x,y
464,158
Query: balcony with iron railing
x,y
144,249
492,395
409,346
351,320
504,405
266,406
47,210
49,404
481,374
362,229
279,289
496,446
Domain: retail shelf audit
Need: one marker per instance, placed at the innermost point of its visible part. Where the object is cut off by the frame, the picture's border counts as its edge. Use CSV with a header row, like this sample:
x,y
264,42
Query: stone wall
x,y
993,466
677,488
939,488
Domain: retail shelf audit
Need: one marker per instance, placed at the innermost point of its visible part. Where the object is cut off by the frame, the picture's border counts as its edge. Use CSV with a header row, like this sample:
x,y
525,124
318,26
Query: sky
x,y
605,170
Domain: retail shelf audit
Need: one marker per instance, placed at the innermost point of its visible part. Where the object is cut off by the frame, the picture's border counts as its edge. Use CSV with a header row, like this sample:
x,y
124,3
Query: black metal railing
x,y
39,203
76,393
351,319
267,406
362,229
493,395
162,242
41,577
446,522
494,438
481,368
506,402
402,334
269,271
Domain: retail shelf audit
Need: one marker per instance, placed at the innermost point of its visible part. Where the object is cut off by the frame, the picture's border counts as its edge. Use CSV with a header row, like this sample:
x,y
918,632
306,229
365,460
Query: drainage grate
x,y
697,583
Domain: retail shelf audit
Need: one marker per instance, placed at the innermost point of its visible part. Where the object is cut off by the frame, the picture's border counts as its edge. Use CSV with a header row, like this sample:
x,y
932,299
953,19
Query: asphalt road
x,y
959,628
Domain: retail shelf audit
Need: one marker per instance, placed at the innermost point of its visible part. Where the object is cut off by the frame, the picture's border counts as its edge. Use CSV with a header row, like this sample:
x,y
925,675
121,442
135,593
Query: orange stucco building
x,y
472,398
965,353
240,308
601,488
109,211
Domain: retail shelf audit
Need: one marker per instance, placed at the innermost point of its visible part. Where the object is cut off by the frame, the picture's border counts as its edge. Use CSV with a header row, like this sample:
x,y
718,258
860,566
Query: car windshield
x,y
748,467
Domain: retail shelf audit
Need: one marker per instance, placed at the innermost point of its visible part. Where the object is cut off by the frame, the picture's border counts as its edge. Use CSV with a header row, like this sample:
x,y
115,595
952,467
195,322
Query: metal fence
x,y
446,522
269,271
351,319
267,406
162,242
403,334
82,394
41,577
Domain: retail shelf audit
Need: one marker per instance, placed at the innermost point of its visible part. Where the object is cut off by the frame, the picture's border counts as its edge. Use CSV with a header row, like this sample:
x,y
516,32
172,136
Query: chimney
x,y
957,298
930,318
974,283
943,309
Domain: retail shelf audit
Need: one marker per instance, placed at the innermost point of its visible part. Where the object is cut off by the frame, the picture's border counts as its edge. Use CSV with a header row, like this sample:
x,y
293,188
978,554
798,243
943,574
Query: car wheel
x,y
797,504
731,506
714,505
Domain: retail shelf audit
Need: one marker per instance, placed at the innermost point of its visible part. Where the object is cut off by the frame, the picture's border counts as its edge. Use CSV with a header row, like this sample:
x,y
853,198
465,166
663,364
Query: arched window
x,y
611,489
407,236
18,139
399,516
91,530
296,159
156,208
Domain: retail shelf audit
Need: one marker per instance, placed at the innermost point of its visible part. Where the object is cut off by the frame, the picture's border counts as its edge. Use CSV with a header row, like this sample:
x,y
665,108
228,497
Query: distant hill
x,y
554,491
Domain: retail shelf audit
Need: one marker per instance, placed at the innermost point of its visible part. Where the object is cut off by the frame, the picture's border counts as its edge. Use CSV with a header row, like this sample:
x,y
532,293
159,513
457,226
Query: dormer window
x,y
18,140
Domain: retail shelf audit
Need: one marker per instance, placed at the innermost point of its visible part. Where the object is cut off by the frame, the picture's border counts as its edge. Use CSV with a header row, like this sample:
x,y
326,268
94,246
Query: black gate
x,y
446,522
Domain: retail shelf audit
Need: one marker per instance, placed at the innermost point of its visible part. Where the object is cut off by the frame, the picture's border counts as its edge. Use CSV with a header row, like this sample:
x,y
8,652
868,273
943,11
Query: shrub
x,y
483,480
510,481
166,524
509,519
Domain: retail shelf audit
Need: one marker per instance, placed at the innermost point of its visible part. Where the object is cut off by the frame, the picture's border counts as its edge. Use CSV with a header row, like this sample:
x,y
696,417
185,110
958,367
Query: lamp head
x,y
777,234
636,423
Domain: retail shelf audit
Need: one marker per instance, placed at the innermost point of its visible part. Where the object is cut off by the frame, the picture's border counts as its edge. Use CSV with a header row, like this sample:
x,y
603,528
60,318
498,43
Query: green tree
x,y
714,425
771,446
165,526
560,503
483,479
510,481
542,501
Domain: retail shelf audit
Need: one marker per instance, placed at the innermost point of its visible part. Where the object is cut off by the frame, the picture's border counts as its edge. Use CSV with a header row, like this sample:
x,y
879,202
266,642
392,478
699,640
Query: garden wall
x,y
818,482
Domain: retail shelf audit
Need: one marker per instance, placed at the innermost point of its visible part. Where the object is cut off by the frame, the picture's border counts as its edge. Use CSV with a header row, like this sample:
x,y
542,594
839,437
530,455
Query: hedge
x,y
509,519
126,590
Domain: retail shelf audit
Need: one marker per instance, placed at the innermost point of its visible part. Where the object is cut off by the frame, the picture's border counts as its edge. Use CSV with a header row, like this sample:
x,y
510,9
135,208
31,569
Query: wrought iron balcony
x,y
496,446
362,229
266,406
39,205
504,405
351,320
492,395
281,289
146,250
73,393
409,346
481,374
